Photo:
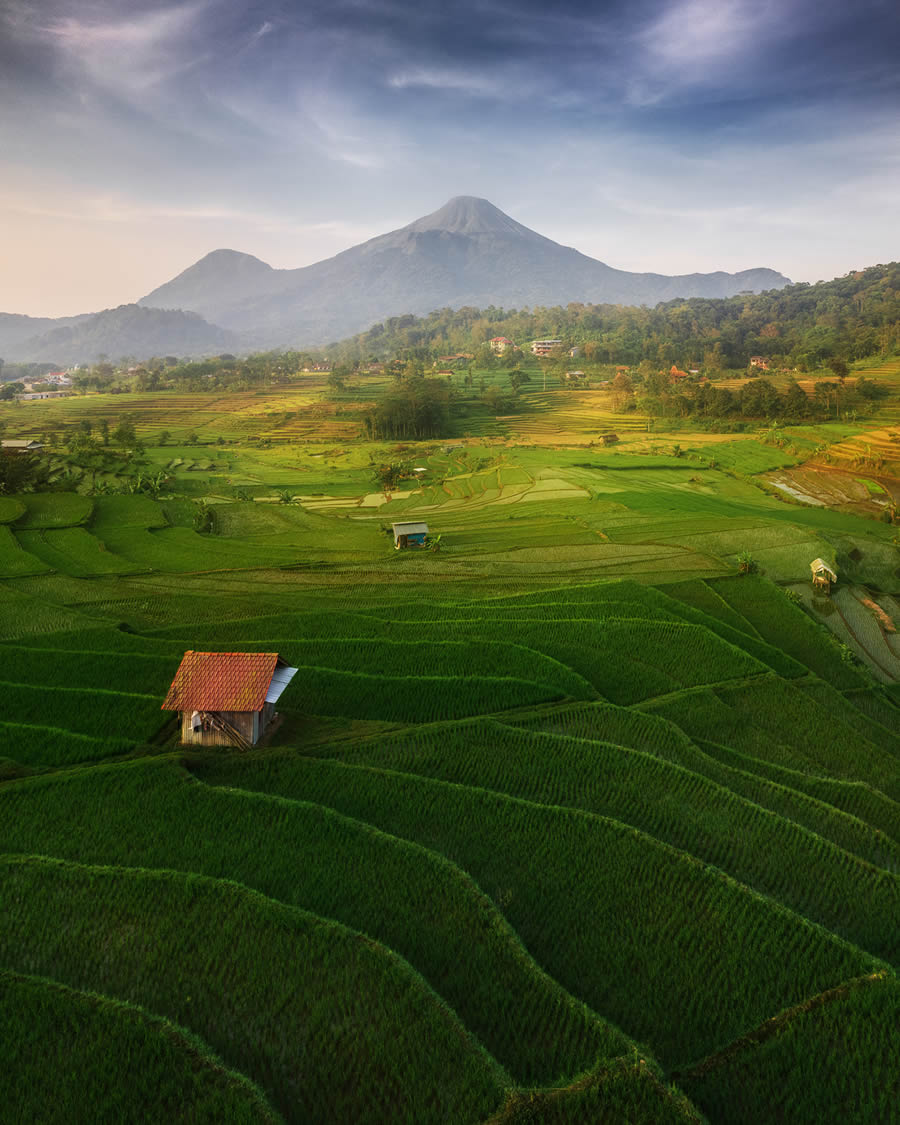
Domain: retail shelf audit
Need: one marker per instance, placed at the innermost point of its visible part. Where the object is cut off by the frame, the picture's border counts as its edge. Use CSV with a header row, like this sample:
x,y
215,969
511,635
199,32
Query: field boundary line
x,y
82,690
776,1024
680,692
600,1076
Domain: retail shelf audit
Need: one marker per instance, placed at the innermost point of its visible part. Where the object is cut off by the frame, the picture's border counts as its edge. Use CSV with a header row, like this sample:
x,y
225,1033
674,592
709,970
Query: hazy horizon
x,y
673,136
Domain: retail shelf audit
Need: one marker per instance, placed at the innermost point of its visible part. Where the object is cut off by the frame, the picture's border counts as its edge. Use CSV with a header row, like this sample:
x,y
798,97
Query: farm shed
x,y
822,575
227,698
409,534
14,445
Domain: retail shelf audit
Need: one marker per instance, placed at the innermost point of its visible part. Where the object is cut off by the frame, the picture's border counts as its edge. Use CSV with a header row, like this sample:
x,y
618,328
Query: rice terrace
x,y
391,736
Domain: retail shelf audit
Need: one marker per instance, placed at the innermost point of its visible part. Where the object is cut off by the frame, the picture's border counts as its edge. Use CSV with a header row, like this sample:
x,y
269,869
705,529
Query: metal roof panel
x,y
280,680
409,528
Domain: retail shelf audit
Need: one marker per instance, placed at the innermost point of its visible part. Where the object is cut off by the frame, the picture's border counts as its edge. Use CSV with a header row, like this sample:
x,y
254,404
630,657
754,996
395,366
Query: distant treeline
x,y
160,373
721,407
801,326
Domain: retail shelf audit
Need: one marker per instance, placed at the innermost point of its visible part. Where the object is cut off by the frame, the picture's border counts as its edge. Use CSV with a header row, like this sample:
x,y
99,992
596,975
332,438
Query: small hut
x,y
16,445
409,534
822,575
227,698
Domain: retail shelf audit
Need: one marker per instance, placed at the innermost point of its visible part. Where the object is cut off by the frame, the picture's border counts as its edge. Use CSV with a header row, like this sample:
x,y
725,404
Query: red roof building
x,y
227,698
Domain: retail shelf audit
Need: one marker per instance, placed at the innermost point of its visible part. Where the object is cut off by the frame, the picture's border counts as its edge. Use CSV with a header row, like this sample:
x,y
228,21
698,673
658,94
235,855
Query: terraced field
x,y
561,821
554,852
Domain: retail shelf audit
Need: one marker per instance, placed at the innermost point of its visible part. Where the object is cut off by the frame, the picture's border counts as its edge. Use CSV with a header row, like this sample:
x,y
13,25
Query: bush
x,y
747,564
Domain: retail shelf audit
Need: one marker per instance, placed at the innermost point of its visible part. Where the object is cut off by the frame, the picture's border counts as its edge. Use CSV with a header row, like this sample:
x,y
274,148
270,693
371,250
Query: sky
x,y
665,135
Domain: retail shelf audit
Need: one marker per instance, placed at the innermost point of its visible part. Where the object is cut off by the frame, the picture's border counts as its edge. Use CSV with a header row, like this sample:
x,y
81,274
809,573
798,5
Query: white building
x,y
544,347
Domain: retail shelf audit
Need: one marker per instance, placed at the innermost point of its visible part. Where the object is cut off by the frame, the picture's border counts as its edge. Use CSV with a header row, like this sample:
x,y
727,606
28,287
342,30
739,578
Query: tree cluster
x,y
21,472
757,399
415,409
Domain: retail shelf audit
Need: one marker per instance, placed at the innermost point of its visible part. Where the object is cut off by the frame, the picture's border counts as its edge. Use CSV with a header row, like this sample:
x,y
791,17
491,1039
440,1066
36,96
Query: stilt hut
x,y
823,576
227,698
409,534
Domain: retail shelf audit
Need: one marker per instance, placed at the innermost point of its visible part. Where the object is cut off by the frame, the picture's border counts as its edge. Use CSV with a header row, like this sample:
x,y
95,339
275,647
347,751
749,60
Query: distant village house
x,y
761,361
31,395
499,344
545,347
227,698
52,381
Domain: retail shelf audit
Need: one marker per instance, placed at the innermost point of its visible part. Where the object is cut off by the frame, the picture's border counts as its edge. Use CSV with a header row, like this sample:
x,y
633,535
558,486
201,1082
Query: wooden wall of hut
x,y
246,723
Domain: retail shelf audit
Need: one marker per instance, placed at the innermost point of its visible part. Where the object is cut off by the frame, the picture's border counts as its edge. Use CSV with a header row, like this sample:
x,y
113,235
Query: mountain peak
x,y
468,214
232,260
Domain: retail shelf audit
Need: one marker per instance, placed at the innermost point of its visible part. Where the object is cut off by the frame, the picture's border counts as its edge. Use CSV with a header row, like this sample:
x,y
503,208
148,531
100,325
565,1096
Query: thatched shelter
x,y
823,576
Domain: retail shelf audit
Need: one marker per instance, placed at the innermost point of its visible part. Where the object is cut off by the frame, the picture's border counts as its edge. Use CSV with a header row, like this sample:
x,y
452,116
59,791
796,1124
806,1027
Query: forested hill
x,y
851,317
126,330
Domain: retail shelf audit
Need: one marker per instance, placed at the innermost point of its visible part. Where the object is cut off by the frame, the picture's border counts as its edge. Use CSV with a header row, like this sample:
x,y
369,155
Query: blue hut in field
x,y
409,534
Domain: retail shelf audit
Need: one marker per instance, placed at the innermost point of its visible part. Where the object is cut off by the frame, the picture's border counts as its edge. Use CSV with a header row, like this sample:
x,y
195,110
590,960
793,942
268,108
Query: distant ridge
x,y
124,331
468,252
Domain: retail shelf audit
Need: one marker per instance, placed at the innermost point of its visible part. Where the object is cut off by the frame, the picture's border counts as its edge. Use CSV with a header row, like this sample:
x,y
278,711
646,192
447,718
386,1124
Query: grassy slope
x,y
760,848
403,895
66,1049
609,931
237,969
836,1058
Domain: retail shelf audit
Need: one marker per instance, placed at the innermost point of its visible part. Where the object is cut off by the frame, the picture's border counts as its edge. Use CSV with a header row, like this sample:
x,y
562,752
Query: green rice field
x,y
563,820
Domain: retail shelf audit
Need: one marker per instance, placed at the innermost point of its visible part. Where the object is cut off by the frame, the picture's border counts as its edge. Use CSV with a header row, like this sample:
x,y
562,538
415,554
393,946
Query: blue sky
x,y
665,135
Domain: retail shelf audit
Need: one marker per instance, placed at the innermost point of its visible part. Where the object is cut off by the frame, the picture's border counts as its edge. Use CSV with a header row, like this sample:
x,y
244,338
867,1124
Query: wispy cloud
x,y
458,81
691,35
264,29
702,44
110,209
131,54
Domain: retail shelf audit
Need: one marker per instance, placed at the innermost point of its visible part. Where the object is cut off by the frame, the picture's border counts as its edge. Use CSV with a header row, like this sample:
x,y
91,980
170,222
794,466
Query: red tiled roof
x,y
221,681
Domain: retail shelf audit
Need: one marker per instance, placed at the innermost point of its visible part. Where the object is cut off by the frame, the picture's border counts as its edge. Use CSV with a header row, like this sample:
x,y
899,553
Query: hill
x,y
126,330
851,317
18,333
466,253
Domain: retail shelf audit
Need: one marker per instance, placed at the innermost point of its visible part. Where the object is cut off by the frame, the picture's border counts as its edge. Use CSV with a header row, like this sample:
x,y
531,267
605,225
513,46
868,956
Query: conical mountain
x,y
468,252
467,214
